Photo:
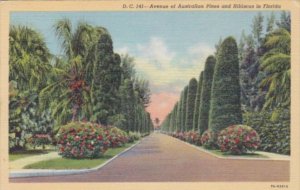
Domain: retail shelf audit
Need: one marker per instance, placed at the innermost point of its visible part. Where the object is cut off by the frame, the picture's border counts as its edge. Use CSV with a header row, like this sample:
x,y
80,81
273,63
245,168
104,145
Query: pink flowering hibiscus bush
x,y
208,139
116,137
82,140
178,135
42,140
192,137
238,139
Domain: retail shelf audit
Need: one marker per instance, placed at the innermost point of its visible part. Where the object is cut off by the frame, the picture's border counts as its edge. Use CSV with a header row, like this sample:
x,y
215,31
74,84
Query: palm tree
x,y
29,57
69,92
276,63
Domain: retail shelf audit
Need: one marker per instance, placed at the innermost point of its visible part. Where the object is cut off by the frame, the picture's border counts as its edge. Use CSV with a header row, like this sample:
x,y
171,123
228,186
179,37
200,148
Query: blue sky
x,y
178,29
183,39
169,47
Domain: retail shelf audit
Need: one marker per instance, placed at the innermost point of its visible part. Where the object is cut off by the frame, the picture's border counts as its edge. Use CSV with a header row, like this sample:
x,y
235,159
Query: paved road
x,y
160,158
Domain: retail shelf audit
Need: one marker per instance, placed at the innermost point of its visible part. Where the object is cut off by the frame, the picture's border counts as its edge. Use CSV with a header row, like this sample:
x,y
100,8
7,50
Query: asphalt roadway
x,y
161,158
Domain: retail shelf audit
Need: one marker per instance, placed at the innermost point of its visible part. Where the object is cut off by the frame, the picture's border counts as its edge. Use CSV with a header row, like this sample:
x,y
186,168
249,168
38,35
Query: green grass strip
x,y
26,153
246,155
64,163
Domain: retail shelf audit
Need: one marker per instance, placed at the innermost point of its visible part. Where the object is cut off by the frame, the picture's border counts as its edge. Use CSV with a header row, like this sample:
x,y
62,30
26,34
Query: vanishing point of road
x,y
160,158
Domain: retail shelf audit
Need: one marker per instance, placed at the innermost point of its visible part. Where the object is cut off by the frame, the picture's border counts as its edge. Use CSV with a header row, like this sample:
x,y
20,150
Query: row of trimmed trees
x,y
248,83
88,82
214,101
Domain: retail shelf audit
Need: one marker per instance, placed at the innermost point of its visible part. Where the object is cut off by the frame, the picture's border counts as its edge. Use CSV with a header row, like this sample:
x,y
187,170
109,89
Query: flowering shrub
x,y
192,137
238,139
40,140
208,139
133,136
189,136
178,135
81,140
116,137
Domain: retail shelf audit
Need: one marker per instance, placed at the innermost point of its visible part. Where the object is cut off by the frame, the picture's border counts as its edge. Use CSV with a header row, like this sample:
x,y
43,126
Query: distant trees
x,y
184,108
179,119
127,109
156,121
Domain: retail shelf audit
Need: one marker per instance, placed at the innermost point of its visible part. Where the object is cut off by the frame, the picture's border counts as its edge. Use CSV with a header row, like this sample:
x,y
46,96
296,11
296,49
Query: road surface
x,y
160,158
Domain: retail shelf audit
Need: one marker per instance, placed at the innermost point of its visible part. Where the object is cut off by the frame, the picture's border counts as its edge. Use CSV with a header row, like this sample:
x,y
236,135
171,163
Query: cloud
x,y
199,52
168,70
122,51
166,76
156,51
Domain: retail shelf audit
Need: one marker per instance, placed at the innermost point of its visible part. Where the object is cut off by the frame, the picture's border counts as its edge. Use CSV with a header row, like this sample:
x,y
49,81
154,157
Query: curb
x,y
228,157
52,172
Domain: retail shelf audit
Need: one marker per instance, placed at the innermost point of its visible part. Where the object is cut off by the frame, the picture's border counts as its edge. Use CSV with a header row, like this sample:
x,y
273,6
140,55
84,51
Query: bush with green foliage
x,y
274,132
25,119
209,139
82,140
133,136
238,139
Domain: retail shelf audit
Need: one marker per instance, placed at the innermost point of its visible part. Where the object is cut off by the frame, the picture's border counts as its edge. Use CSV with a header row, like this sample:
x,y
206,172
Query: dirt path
x,y
160,158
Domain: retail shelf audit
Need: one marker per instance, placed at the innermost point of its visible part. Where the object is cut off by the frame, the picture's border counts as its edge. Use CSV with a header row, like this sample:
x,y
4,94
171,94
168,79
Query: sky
x,y
169,47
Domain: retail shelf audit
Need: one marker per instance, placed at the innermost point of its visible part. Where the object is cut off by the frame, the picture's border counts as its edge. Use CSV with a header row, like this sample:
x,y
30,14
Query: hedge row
x,y
235,139
89,140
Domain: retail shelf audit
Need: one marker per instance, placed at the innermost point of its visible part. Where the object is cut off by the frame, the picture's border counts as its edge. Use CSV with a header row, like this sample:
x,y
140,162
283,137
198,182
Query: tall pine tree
x,y
190,106
107,80
197,103
184,105
206,93
225,107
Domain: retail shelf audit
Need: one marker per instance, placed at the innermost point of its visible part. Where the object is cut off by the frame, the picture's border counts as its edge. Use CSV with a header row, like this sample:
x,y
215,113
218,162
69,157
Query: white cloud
x,y
199,52
123,50
165,69
157,51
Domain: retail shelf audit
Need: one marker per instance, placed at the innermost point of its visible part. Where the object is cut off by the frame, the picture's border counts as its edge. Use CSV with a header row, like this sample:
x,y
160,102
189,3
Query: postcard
x,y
149,95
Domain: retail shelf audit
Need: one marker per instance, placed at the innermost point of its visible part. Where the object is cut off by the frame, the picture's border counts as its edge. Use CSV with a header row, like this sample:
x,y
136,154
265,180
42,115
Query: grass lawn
x,y
251,155
26,153
63,163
